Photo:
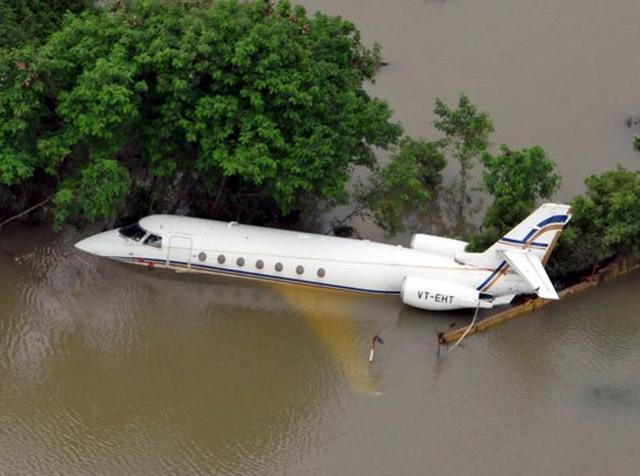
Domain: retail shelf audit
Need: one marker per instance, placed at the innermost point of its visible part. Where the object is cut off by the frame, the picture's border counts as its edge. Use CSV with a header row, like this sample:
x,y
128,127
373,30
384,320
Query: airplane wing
x,y
530,268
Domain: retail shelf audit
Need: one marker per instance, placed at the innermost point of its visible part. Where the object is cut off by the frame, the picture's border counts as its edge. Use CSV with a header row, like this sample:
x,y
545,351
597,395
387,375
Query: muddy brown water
x,y
560,74
111,369
107,368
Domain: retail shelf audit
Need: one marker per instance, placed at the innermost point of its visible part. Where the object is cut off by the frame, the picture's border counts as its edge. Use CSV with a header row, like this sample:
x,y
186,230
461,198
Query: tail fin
x,y
525,249
538,233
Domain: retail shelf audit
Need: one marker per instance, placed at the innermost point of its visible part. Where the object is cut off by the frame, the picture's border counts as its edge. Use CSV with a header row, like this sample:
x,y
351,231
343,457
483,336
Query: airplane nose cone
x,y
93,244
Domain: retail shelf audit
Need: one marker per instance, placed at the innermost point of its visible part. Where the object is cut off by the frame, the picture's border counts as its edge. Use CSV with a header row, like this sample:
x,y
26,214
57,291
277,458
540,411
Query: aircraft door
x,y
179,251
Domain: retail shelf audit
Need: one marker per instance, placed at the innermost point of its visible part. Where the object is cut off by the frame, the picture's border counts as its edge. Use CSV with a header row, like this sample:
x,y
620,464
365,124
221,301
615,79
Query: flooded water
x,y
110,369
107,368
561,74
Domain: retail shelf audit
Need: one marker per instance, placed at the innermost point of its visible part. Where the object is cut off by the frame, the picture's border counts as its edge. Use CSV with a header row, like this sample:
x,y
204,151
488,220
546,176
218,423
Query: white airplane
x,y
435,273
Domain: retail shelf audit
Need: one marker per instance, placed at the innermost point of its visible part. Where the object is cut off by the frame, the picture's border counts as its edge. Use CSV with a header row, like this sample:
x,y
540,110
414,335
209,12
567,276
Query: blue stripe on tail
x,y
547,221
495,271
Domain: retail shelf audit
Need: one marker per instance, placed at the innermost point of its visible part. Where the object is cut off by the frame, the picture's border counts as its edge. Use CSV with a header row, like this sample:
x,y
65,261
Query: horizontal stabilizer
x,y
530,268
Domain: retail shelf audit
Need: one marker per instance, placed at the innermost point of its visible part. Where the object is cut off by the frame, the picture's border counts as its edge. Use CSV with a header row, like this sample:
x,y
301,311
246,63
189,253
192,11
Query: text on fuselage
x,y
435,297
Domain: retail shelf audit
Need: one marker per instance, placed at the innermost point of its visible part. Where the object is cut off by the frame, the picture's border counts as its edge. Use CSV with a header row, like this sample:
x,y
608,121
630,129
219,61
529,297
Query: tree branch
x,y
28,210
344,220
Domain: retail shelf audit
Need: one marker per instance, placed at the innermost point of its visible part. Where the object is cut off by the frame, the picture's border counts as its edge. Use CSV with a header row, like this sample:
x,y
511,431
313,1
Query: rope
x,y
473,321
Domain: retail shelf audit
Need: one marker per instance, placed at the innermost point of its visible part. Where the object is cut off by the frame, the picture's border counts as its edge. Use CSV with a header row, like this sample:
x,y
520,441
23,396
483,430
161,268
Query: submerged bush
x,y
605,224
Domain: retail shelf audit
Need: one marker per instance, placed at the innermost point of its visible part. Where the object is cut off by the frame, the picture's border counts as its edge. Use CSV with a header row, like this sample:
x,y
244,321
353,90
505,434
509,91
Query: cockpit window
x,y
153,240
133,231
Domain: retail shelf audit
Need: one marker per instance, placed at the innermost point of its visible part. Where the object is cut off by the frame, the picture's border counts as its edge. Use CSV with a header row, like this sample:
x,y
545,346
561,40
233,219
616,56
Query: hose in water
x,y
473,321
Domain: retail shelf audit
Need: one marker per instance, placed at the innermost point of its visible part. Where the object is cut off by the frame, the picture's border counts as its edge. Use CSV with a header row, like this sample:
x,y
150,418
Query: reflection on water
x,y
330,316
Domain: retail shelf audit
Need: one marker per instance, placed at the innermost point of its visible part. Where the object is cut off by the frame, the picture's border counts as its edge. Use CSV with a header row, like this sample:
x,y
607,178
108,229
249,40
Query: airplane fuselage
x,y
198,245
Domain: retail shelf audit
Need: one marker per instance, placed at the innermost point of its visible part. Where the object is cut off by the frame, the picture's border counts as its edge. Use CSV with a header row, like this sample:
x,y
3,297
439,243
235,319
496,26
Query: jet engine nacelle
x,y
439,296
437,244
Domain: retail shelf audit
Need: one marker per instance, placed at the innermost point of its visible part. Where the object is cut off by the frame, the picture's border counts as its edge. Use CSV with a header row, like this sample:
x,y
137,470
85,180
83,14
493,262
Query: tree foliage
x,y
515,179
25,21
405,183
226,102
467,132
605,223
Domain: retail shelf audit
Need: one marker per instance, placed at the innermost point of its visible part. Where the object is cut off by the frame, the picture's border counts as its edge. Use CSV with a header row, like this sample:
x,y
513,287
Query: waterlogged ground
x,y
111,369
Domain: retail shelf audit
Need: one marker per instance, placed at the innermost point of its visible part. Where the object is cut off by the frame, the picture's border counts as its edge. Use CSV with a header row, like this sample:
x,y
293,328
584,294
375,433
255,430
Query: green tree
x,y
191,104
605,224
515,179
405,183
24,21
466,132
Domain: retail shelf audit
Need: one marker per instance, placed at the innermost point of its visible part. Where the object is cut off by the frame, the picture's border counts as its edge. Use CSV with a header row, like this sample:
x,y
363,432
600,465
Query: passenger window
x,y
135,232
153,240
